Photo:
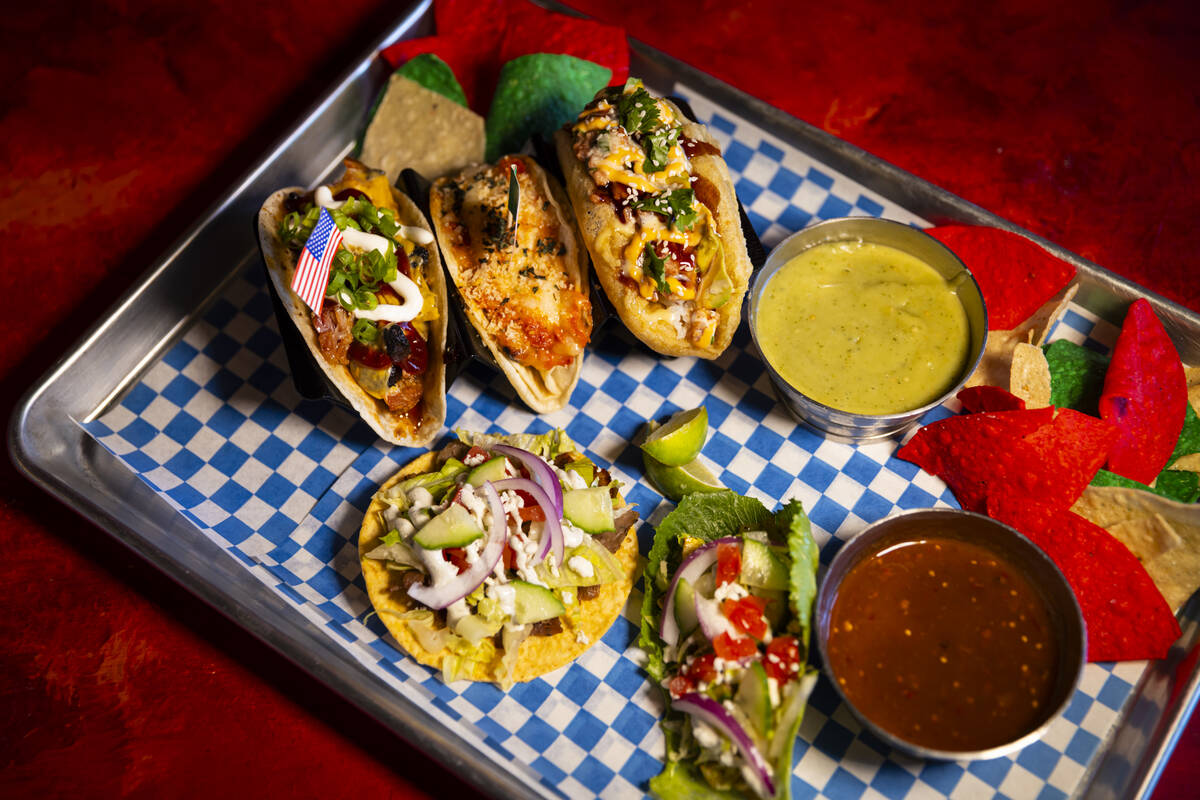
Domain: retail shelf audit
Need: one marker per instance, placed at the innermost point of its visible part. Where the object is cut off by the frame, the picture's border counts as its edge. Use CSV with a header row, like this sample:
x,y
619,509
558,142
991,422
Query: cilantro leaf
x,y
658,146
656,266
637,111
678,204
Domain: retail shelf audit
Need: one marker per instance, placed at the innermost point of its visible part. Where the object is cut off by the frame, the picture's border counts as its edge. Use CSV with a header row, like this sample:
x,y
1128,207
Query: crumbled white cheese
x,y
572,536
730,591
706,737
419,497
505,597
475,460
581,566
568,597
582,637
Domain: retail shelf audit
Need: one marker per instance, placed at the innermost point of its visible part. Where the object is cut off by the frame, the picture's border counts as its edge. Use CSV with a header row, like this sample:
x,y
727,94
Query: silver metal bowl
x,y
1042,573
847,426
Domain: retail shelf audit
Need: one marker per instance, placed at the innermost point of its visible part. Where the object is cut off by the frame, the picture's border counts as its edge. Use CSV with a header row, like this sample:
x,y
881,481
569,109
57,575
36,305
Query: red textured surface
x,y
121,121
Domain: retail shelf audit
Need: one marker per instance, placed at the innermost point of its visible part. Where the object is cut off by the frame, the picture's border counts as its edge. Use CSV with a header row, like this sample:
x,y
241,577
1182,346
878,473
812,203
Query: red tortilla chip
x,y
1145,395
1015,275
534,30
972,451
989,398
1125,614
473,59
1045,454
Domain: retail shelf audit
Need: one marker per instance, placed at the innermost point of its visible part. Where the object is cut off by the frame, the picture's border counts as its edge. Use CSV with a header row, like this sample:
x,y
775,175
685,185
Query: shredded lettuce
x,y
701,518
546,445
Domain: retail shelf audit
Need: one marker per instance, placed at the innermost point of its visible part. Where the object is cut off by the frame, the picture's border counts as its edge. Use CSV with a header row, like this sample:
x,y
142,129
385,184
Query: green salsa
x,y
863,327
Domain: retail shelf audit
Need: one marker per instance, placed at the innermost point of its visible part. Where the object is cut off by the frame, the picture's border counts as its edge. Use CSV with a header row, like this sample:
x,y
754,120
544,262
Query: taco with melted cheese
x,y
380,334
656,207
512,249
499,558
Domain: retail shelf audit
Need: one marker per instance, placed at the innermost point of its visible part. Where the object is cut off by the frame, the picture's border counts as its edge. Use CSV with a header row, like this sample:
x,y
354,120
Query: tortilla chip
x,y
472,59
538,94
538,654
996,364
419,128
1076,376
1189,463
1125,613
1015,275
1163,534
989,398
1030,378
1192,376
1041,454
1145,395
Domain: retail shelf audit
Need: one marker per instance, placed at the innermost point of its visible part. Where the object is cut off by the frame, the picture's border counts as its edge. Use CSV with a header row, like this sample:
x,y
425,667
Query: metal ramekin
x,y
1064,609
847,426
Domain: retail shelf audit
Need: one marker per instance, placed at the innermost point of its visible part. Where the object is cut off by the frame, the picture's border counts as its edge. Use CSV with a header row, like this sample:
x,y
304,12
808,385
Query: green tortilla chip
x,y
539,93
1171,484
1076,376
1189,437
435,75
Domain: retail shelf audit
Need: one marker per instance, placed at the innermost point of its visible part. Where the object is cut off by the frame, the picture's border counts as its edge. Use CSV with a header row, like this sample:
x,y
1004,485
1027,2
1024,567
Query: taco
x,y
725,627
523,279
657,210
499,601
380,335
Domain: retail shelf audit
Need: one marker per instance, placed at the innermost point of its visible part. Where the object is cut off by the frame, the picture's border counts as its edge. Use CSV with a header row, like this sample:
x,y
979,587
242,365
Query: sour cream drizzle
x,y
409,292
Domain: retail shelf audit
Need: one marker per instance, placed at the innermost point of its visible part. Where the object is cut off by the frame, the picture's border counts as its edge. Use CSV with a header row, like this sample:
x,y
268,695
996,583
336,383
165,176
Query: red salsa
x,y
944,644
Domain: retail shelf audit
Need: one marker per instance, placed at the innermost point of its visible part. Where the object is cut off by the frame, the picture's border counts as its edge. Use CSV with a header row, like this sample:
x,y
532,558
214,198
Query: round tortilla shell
x,y
606,237
538,654
529,382
390,426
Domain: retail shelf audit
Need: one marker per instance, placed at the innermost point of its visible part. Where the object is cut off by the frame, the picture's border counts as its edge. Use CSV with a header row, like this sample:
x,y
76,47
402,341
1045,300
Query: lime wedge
x,y
679,441
675,482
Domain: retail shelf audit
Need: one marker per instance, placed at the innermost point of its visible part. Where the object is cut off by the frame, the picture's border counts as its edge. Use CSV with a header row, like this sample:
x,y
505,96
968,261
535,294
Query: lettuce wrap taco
x,y
499,558
725,626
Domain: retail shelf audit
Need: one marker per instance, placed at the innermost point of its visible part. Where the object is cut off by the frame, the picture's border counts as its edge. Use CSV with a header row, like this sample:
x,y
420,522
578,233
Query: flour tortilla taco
x,y
656,206
499,558
512,249
380,335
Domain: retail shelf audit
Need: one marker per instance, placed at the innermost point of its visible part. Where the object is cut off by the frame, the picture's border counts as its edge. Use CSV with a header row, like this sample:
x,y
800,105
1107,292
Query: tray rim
x,y
54,452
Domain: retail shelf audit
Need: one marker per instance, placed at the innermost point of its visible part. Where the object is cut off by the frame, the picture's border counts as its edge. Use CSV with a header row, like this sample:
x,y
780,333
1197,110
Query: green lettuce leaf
x,y
547,445
707,517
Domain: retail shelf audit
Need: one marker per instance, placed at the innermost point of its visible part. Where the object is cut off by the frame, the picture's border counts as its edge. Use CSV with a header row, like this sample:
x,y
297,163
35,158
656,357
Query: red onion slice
x,y
695,565
552,535
468,581
712,713
542,474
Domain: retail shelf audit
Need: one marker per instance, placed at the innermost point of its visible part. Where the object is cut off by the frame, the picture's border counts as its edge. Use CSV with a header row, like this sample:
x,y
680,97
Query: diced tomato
x,y
510,558
734,649
783,658
458,557
532,513
746,615
701,669
679,686
476,452
729,563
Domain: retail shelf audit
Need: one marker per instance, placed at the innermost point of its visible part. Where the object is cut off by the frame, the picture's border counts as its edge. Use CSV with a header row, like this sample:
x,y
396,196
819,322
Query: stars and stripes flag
x,y
312,270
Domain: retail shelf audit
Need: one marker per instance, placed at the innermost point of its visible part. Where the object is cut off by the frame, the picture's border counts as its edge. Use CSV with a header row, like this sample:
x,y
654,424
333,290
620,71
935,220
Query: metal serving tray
x,y
50,446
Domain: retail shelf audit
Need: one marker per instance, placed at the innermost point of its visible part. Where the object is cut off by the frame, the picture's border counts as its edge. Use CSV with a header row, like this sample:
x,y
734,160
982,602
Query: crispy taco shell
x,y
606,237
281,266
538,654
543,390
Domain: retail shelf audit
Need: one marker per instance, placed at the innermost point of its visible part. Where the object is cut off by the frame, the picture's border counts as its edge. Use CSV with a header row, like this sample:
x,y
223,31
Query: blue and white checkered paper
x,y
281,484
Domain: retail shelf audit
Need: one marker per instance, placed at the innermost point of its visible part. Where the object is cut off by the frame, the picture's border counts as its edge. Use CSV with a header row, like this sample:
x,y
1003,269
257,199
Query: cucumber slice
x,y
590,510
761,568
534,603
754,699
685,608
491,470
454,527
